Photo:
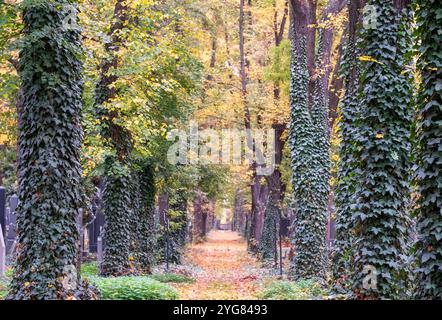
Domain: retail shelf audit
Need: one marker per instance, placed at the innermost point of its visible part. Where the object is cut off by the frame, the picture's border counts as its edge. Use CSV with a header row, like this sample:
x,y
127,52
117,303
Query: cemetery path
x,y
226,270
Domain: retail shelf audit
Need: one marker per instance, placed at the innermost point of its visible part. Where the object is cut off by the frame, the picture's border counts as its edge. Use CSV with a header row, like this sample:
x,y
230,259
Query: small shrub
x,y
133,288
172,278
287,290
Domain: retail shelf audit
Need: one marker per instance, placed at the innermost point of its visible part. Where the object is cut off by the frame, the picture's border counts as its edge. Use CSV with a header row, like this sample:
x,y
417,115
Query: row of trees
x,y
390,108
98,90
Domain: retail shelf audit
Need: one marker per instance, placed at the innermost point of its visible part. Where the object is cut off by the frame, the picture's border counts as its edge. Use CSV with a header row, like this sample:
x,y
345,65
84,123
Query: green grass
x,y
172,278
4,283
89,269
288,290
3,288
133,288
152,287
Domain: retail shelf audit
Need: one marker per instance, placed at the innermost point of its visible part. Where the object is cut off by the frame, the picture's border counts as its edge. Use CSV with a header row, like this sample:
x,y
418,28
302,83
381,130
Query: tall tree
x,y
117,195
347,172
50,136
272,216
380,219
258,191
309,146
429,158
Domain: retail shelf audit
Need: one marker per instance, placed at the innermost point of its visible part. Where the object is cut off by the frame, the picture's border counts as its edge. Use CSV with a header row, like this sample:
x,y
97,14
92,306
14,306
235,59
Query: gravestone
x,y
80,229
11,234
13,203
99,251
2,254
98,223
94,231
7,217
3,209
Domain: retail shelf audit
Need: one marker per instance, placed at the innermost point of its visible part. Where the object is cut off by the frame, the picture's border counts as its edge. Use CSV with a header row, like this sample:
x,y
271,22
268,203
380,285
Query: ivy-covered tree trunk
x,y
199,216
118,210
349,113
309,147
272,215
117,197
268,245
429,158
381,218
50,136
178,224
173,239
146,218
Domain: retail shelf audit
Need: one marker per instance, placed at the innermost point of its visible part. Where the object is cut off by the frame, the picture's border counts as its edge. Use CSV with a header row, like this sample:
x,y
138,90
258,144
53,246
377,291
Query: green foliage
x,y
172,278
133,288
90,270
288,290
428,171
380,217
268,249
309,149
49,167
147,77
9,80
279,70
3,290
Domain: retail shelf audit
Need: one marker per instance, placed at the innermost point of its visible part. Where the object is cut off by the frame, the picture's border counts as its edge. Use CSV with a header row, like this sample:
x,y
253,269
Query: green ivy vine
x,y
380,219
349,111
428,172
309,148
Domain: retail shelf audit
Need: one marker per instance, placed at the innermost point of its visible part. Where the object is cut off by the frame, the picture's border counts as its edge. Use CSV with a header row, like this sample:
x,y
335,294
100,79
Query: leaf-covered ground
x,y
225,269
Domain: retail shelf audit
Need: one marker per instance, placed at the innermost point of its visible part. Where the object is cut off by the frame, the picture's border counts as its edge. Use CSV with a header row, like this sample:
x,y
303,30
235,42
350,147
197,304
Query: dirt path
x,y
226,270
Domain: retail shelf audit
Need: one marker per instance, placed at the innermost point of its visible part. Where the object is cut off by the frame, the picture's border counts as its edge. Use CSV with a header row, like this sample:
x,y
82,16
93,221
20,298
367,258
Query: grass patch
x,y
3,288
4,282
133,288
89,269
288,290
172,278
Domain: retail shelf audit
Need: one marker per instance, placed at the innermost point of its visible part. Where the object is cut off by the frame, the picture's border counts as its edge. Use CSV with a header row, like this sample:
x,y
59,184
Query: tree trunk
x,y
50,190
117,195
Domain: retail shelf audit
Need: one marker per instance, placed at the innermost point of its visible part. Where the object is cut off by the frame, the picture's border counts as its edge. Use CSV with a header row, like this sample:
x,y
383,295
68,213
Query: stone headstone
x,y
94,231
11,235
99,251
3,209
80,229
2,254
7,216
13,203
95,225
